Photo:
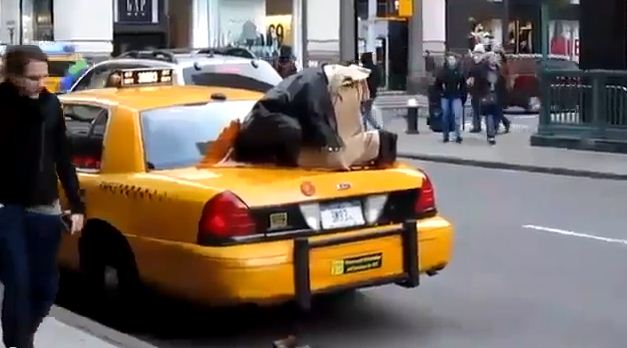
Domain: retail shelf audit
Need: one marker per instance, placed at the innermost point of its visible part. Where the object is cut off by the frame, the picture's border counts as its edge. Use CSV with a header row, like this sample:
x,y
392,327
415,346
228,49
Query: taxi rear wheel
x,y
109,270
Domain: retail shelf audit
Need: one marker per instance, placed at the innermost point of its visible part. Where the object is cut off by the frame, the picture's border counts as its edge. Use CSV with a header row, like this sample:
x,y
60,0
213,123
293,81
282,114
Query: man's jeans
x,y
452,110
29,244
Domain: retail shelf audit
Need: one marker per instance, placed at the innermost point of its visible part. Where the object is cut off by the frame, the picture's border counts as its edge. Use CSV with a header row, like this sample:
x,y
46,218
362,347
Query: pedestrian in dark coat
x,y
504,68
475,70
450,84
374,80
35,155
491,91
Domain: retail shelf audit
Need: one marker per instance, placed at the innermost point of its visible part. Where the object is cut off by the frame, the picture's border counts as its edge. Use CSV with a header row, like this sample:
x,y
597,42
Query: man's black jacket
x,y
451,83
34,151
296,113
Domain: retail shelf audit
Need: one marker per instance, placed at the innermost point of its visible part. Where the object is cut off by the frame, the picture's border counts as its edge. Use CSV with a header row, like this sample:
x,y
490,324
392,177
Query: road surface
x,y
539,262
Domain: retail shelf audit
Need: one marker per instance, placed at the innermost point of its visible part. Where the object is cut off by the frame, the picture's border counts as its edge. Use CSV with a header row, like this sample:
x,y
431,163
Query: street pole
x,y
347,30
21,22
415,55
544,24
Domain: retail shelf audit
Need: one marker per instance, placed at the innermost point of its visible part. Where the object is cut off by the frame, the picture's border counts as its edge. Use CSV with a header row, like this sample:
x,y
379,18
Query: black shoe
x,y
507,128
445,141
459,140
491,141
475,130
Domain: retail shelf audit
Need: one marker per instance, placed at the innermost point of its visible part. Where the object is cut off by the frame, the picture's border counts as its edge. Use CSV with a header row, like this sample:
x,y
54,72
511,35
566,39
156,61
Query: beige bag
x,y
360,148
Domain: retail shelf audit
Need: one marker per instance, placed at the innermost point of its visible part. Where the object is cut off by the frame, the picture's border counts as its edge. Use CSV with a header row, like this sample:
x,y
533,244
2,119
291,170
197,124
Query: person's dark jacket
x,y
475,71
34,151
374,80
451,83
483,85
296,113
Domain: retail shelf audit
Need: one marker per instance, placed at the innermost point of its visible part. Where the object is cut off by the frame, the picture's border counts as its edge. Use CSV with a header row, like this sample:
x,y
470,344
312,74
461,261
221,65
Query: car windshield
x,y
234,75
178,136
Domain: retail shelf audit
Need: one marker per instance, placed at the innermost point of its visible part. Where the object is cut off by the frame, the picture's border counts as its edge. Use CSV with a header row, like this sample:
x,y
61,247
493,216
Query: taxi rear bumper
x,y
295,269
410,277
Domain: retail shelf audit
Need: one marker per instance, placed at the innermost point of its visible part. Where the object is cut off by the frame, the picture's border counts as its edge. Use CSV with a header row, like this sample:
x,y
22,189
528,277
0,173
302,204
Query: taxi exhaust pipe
x,y
435,270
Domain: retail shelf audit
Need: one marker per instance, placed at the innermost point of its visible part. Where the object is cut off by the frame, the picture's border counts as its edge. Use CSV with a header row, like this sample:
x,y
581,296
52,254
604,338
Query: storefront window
x,y
520,37
37,21
488,32
564,38
265,27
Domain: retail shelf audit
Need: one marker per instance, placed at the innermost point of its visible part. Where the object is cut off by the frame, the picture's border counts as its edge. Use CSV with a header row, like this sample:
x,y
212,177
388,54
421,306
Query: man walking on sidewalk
x,y
451,86
374,80
34,153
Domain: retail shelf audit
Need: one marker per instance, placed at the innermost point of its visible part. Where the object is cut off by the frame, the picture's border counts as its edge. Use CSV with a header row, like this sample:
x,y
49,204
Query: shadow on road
x,y
168,322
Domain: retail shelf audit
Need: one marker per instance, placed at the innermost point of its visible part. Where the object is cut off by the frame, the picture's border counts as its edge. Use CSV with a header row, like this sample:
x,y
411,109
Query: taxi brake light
x,y
426,197
224,216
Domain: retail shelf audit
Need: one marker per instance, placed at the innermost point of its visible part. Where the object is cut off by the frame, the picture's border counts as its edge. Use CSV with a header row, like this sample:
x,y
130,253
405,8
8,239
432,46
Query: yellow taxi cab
x,y
61,56
232,235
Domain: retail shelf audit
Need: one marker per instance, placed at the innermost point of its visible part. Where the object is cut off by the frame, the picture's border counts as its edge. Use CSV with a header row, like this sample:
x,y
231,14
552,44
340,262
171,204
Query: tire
x,y
110,273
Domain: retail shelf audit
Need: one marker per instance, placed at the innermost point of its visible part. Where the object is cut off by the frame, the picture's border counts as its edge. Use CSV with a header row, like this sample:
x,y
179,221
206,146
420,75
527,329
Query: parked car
x,y
524,72
191,67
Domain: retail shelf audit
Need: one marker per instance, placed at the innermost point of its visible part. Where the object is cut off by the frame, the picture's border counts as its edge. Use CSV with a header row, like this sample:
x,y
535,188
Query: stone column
x,y
416,80
347,30
371,44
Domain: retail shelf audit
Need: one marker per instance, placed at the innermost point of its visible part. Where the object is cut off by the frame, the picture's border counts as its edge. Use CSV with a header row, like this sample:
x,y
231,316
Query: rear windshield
x,y
59,68
234,75
178,136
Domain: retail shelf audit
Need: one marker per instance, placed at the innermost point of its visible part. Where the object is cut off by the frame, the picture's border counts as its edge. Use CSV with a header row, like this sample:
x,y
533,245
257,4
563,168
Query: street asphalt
x,y
539,262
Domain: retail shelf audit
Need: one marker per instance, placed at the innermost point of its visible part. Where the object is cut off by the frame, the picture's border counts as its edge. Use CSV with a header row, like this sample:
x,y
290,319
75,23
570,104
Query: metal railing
x,y
588,104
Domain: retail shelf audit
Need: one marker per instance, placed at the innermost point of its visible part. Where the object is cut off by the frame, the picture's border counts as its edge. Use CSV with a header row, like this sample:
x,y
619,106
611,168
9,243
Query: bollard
x,y
412,116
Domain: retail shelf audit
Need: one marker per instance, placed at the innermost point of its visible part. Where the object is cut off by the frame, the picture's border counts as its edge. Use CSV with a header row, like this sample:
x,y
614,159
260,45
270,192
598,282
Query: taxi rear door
x,y
86,125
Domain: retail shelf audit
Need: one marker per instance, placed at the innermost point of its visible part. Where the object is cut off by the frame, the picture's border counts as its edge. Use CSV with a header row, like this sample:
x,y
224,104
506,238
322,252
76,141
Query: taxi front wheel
x,y
109,270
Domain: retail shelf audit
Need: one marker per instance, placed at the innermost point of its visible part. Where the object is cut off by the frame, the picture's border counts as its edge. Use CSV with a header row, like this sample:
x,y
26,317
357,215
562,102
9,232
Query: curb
x,y
512,166
97,330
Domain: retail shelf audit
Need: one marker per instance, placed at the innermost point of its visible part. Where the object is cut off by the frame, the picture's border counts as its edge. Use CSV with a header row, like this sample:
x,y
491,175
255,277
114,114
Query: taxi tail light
x,y
224,216
425,203
86,162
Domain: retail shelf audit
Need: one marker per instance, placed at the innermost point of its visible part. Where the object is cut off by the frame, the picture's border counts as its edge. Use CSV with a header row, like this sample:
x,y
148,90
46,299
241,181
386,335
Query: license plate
x,y
357,264
340,215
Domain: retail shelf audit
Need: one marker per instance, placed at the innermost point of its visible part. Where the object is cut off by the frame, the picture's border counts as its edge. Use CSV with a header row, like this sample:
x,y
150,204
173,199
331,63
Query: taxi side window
x,y
86,126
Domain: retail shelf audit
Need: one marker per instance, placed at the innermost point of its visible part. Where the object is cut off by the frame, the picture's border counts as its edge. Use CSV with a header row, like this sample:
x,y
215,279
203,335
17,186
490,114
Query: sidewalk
x,y
399,100
512,151
64,329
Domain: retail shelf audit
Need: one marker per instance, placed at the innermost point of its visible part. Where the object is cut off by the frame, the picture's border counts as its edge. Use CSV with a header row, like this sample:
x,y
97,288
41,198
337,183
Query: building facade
x,y
139,24
384,29
604,35
86,24
514,24
266,27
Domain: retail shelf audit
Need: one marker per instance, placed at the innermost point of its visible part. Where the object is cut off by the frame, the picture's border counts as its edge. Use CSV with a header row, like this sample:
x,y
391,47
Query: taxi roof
x,y
146,98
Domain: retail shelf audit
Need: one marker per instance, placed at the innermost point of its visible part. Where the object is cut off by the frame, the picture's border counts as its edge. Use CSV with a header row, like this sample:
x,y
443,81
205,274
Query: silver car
x,y
191,67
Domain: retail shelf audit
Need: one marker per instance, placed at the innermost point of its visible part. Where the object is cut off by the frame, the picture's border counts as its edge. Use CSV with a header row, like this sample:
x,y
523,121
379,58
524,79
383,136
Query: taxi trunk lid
x,y
283,200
